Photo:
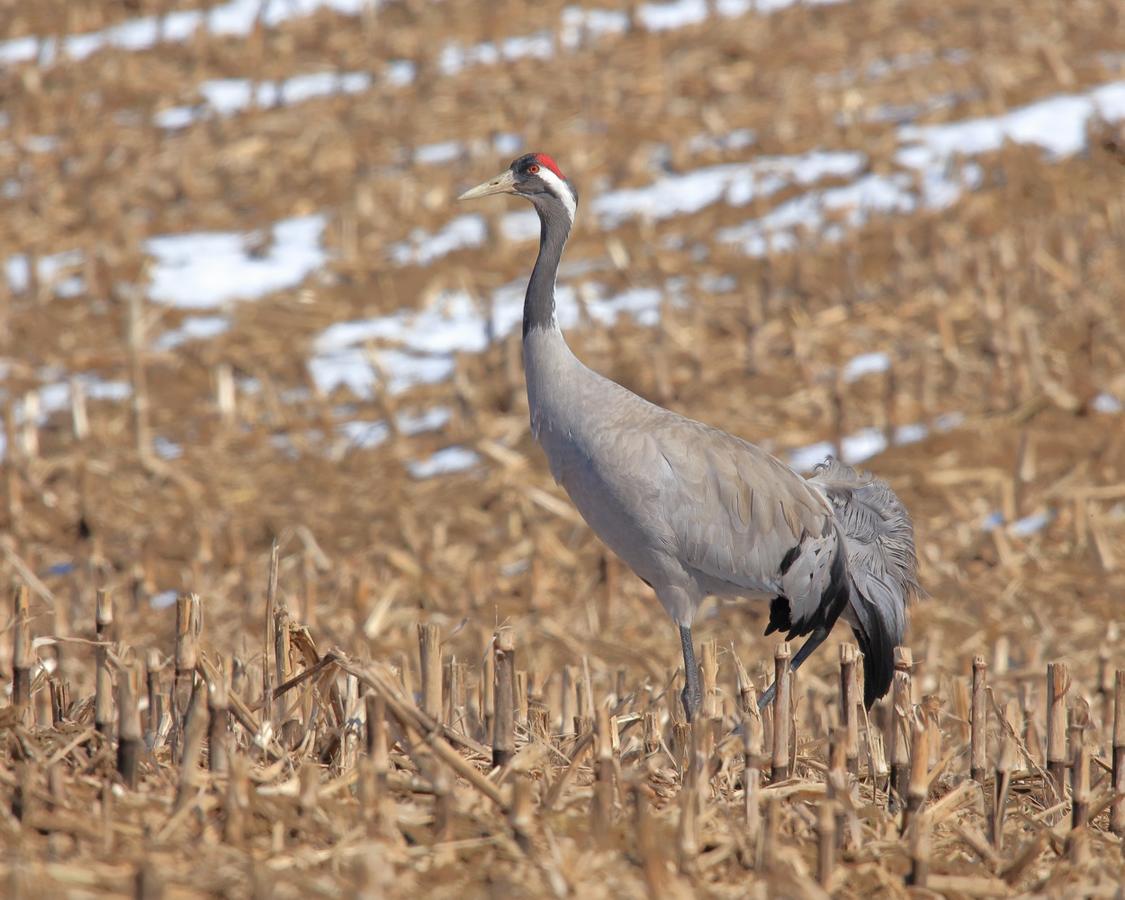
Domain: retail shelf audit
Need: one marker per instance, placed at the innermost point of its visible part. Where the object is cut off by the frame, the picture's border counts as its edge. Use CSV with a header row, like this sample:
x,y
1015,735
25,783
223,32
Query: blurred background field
x,y
239,303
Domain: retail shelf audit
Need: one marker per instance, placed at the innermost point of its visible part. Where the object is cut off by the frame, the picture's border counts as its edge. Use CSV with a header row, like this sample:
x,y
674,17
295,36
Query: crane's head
x,y
538,178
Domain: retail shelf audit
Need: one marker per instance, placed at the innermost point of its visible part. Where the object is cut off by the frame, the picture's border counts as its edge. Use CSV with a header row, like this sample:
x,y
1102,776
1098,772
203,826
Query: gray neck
x,y
539,302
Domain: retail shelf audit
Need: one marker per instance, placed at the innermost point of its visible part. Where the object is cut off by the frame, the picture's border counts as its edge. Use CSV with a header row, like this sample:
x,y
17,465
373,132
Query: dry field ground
x,y
239,305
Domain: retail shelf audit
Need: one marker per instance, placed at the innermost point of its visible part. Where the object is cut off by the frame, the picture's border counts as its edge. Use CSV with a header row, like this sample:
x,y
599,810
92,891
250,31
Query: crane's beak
x,y
504,183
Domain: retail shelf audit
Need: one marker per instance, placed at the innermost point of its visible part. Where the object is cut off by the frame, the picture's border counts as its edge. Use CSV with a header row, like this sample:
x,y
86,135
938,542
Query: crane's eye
x,y
533,169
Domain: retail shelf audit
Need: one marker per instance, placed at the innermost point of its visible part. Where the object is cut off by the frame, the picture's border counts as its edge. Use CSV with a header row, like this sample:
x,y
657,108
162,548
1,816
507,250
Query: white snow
x,y
910,434
1056,124
193,328
867,442
423,342
683,13
455,57
808,213
54,271
435,154
578,22
422,248
163,600
1025,527
739,7
350,367
866,364
1032,524
1107,403
54,396
364,434
432,419
734,183
857,447
864,444
228,96
167,449
675,14
933,181
400,72
367,434
204,270
235,18
21,49
175,117
444,462
300,88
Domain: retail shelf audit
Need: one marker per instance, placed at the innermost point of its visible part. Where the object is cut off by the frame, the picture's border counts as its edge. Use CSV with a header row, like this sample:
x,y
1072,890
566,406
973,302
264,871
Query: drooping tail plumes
x,y
882,566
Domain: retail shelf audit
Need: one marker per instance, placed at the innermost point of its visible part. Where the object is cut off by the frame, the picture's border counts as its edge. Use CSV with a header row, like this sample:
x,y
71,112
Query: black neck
x,y
539,302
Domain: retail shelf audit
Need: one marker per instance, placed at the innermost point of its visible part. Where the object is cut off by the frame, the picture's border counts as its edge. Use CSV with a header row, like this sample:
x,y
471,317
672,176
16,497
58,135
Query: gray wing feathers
x,y
880,535
736,512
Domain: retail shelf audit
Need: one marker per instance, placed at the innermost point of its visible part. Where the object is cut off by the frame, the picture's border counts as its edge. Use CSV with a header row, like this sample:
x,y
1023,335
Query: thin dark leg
x,y
693,692
814,640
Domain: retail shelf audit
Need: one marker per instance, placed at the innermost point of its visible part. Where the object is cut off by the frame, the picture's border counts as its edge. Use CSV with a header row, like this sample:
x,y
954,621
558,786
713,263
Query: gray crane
x,y
695,511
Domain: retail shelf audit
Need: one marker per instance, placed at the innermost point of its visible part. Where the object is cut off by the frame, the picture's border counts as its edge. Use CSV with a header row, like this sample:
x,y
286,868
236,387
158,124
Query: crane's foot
x,y
692,700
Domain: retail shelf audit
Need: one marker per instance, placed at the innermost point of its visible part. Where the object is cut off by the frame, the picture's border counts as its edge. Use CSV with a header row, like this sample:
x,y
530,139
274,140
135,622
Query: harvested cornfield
x,y
293,606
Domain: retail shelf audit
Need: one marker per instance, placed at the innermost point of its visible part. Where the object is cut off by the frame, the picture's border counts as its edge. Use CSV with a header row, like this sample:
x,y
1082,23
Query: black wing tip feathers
x,y
832,601
779,615
878,647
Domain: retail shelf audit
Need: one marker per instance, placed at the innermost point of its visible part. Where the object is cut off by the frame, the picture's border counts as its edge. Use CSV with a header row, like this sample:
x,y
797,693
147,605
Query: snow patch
x,y
422,248
866,364
423,342
735,183
235,18
444,462
193,328
203,270
228,96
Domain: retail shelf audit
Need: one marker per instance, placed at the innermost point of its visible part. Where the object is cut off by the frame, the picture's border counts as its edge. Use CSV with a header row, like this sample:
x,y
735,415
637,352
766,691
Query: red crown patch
x,y
545,160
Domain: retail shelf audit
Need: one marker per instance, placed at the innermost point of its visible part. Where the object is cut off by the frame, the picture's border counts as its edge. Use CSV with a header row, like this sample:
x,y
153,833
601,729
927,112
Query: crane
x,y
695,511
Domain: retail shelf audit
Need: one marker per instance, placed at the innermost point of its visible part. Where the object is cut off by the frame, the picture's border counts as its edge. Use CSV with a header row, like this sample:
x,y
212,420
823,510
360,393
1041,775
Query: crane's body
x,y
641,475
695,511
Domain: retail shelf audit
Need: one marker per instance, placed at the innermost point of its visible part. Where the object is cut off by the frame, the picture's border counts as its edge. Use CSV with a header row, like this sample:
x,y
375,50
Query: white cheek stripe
x,y
561,189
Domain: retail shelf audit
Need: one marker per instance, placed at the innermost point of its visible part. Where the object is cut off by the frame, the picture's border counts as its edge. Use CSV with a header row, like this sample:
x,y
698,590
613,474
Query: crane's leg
x,y
693,691
814,640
